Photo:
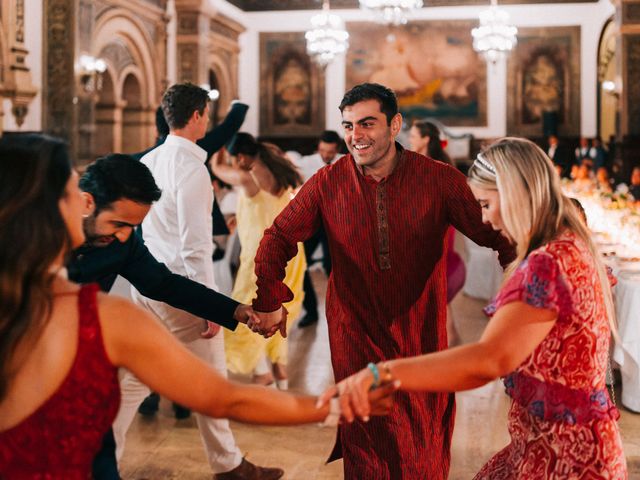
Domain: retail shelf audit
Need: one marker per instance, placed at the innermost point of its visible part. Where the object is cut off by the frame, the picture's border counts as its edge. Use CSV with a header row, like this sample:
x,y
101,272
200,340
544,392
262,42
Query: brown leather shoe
x,y
248,471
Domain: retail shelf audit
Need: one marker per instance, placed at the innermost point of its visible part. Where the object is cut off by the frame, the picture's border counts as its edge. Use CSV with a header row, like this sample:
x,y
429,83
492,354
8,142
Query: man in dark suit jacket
x,y
559,155
119,191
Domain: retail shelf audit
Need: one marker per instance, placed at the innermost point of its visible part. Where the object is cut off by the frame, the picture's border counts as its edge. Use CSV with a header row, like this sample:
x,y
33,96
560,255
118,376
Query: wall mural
x,y
544,76
430,65
291,87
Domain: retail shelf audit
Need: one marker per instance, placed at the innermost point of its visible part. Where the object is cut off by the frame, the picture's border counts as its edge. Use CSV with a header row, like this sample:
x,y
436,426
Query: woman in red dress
x,y
548,336
61,344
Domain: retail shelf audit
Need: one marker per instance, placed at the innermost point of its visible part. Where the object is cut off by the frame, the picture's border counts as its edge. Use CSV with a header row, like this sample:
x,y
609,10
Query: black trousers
x,y
105,466
310,302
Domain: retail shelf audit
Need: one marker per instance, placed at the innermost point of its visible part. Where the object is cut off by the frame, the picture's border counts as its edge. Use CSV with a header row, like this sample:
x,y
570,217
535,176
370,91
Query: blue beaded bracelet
x,y
376,375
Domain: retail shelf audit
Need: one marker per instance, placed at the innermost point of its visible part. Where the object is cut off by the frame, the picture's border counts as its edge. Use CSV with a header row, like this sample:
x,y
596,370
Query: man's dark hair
x,y
161,123
372,91
116,177
330,136
180,101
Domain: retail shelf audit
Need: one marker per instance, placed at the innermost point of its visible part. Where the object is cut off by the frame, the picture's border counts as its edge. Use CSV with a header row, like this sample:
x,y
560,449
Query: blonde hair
x,y
533,208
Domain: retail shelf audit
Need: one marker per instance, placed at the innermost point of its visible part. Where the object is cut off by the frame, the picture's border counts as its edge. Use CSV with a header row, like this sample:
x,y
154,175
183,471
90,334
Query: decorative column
x,y
17,81
223,58
58,114
84,100
192,39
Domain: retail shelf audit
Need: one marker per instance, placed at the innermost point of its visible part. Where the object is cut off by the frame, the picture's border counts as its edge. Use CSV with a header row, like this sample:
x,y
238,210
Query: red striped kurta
x,y
386,296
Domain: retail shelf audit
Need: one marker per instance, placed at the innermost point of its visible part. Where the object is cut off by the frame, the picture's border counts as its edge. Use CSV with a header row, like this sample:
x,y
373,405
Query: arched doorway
x,y
138,60
108,117
135,124
608,83
214,115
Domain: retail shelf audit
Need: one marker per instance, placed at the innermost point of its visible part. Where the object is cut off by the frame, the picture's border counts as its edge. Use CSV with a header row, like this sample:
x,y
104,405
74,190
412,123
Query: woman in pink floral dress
x,y
548,336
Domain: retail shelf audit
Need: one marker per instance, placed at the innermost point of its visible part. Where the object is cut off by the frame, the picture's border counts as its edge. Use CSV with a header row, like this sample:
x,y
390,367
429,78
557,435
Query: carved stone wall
x,y
58,73
130,36
15,77
207,42
223,58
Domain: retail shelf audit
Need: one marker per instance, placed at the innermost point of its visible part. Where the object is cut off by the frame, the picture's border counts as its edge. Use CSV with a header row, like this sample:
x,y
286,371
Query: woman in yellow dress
x,y
266,179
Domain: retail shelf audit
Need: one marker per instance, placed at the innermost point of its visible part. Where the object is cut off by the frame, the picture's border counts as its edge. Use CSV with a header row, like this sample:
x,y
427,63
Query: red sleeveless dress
x,y
60,439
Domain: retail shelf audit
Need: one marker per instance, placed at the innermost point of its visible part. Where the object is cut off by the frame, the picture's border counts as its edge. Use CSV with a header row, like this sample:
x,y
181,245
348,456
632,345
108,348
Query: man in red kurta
x,y
386,211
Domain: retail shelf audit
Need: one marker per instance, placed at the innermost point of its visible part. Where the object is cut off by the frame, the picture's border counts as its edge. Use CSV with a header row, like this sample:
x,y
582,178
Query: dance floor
x,y
165,448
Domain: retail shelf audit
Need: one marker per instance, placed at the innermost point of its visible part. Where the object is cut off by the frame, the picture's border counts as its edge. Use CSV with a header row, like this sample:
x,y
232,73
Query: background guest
x,y
266,179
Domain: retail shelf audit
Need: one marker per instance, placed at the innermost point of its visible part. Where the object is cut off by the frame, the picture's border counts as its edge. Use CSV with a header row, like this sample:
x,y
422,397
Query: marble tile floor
x,y
165,448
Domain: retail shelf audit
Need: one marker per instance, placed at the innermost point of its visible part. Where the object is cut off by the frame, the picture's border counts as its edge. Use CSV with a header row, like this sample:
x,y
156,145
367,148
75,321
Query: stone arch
x,y
124,42
607,72
220,69
120,26
136,126
108,116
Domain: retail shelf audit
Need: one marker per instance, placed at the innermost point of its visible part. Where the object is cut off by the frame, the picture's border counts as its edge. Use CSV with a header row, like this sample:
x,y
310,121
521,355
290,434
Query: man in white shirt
x,y
328,148
177,231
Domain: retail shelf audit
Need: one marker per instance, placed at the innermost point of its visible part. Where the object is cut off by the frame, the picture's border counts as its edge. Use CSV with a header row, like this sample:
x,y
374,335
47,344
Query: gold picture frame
x,y
544,76
292,92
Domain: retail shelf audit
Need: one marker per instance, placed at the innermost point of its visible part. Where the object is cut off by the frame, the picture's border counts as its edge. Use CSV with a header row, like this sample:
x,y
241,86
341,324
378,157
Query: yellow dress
x,y
243,348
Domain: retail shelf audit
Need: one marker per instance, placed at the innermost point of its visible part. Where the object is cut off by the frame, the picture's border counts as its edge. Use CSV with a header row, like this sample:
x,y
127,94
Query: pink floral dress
x,y
562,422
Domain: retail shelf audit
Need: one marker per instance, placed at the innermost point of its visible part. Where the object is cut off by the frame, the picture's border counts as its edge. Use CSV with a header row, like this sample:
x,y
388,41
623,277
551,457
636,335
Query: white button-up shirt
x,y
178,228
310,164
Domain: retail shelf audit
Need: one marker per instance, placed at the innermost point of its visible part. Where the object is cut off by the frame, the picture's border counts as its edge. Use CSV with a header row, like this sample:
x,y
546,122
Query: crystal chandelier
x,y
391,12
495,37
327,37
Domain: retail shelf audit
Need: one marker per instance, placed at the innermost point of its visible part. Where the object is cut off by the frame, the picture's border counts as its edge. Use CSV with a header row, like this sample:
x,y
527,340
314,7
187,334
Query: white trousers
x,y
220,446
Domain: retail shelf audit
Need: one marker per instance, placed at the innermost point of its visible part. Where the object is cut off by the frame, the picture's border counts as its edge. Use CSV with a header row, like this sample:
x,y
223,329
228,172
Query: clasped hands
x,y
357,398
268,324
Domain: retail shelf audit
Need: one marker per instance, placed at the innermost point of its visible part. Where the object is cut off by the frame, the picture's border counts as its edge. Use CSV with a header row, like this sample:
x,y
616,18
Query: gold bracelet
x,y
387,376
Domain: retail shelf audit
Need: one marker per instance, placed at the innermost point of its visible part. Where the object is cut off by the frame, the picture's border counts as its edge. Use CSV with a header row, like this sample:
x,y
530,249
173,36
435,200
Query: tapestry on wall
x,y
544,80
291,87
430,65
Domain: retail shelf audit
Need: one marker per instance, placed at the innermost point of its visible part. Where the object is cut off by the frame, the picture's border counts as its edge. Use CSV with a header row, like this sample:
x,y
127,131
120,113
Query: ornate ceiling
x,y
268,5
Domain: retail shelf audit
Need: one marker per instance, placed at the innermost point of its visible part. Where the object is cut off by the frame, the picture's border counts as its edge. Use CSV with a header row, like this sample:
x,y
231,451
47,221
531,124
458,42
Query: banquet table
x,y
626,352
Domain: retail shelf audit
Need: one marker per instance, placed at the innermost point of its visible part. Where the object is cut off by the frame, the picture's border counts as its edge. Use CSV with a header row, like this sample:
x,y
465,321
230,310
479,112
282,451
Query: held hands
x,y
358,399
247,315
268,323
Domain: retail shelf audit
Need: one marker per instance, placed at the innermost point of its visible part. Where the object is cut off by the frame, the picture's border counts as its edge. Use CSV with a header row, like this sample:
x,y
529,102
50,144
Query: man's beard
x,y
91,237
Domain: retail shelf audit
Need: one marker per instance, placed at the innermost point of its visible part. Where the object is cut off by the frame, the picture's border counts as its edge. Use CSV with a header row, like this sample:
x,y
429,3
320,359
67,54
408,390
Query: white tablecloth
x,y
627,352
484,273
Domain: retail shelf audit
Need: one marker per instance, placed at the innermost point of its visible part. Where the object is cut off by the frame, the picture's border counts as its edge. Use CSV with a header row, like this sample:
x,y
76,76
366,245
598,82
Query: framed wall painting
x,y
431,66
543,79
292,96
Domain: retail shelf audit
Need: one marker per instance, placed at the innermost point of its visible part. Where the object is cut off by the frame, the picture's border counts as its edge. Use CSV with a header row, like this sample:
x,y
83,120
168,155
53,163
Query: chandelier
x,y
391,12
327,37
495,37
